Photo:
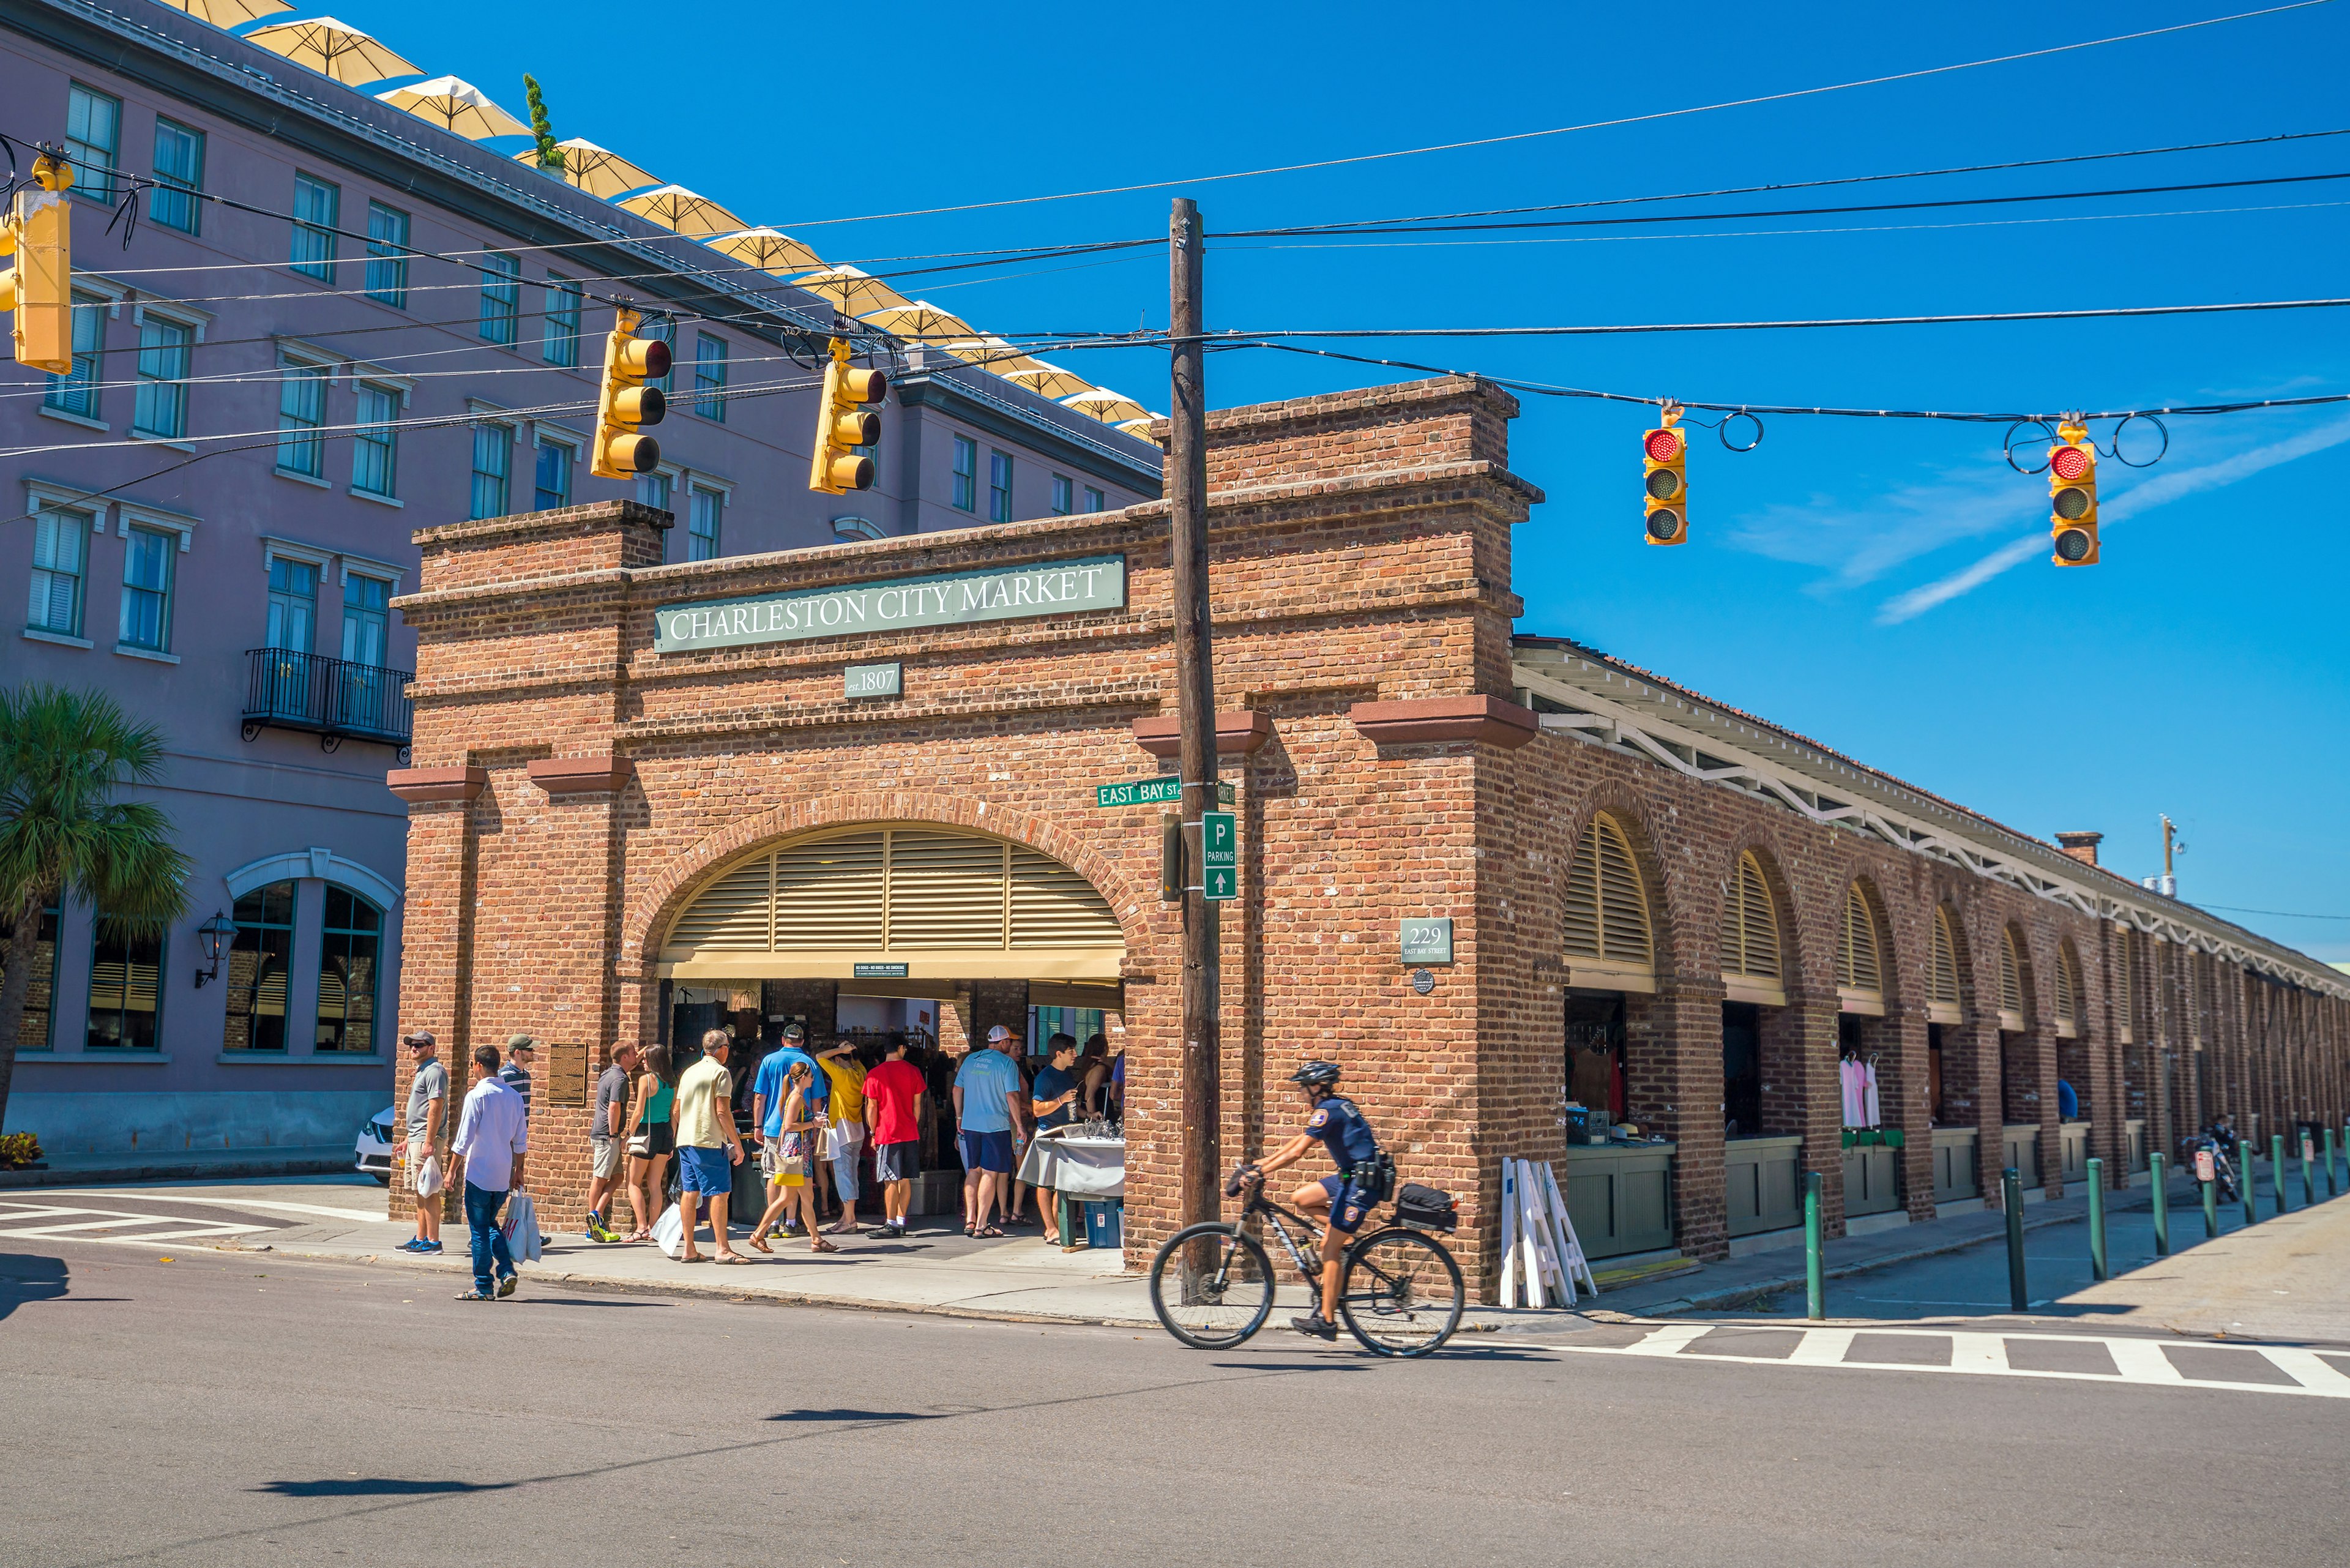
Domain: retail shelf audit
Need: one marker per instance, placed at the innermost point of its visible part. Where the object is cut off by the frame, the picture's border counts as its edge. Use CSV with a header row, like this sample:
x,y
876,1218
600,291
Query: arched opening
x,y
2020,1066
2076,1079
1868,1066
1763,1075
1953,1070
1619,1190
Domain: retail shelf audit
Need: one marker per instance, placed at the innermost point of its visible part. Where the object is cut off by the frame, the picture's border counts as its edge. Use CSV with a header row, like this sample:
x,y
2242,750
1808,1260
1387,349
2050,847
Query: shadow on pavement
x,y
30,1277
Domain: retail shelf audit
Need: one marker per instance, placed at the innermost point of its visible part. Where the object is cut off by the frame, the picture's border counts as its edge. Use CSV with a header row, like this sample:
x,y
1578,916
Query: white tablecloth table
x,y
1083,1168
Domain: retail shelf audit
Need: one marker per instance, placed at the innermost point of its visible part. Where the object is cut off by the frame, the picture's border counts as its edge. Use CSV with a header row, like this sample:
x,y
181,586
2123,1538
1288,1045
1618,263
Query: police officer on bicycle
x,y
1334,1122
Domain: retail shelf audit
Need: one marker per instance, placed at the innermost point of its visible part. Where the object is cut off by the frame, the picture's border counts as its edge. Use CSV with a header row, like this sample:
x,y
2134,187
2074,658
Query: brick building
x,y
642,789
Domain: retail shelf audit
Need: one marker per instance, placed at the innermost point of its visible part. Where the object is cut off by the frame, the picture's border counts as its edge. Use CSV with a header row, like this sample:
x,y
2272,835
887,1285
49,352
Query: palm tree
x,y
63,755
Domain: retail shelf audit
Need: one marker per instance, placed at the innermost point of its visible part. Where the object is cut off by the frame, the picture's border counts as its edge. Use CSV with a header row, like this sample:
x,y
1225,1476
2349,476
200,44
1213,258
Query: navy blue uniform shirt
x,y
1341,1129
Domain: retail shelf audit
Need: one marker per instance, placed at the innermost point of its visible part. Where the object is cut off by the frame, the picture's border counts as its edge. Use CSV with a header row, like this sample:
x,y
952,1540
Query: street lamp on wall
x,y
215,935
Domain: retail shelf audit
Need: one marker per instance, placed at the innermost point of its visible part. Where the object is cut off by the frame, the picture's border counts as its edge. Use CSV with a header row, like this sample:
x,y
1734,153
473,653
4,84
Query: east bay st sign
x,y
949,599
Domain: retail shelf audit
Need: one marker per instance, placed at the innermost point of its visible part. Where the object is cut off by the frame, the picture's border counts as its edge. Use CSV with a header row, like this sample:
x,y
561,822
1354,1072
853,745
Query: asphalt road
x,y
232,1408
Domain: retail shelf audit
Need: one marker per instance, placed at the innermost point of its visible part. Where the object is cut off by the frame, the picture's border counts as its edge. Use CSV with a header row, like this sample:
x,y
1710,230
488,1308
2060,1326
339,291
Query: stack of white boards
x,y
1542,1263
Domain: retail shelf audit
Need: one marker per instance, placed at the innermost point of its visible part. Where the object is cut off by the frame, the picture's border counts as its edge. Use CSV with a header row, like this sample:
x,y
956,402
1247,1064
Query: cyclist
x,y
1334,1122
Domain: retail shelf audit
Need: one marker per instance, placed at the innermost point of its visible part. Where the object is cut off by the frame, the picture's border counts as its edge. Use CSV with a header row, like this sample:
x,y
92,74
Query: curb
x,y
182,1170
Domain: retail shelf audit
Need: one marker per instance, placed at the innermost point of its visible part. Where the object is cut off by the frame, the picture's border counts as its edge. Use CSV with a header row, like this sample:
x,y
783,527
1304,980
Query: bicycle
x,y
1399,1292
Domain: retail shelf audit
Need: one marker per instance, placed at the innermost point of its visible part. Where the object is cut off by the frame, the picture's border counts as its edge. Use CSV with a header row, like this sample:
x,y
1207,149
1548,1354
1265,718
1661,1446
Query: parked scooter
x,y
2223,1161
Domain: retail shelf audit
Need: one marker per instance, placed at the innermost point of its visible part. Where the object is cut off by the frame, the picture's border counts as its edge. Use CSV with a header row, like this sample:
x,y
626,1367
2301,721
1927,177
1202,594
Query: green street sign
x,y
1219,856
1165,788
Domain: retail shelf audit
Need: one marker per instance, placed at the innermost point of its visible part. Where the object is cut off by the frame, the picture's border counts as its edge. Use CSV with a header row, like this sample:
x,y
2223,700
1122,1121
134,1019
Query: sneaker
x,y
506,1285
1315,1323
413,1244
475,1296
596,1230
431,1249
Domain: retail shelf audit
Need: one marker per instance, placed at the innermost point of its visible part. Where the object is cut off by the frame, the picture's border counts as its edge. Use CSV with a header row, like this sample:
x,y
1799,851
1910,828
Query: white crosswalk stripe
x,y
114,1227
2138,1362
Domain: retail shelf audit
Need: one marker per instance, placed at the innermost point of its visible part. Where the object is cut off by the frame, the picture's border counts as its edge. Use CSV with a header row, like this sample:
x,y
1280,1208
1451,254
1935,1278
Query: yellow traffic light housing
x,y
2072,495
1665,457
39,231
843,424
626,404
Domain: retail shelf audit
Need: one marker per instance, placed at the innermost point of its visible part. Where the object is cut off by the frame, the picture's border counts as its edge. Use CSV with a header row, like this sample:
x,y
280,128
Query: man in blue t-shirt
x,y
1336,1124
1056,1089
990,1101
769,1091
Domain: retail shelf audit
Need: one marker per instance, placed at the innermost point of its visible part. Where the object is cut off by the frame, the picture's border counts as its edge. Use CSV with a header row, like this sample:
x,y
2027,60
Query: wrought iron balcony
x,y
333,699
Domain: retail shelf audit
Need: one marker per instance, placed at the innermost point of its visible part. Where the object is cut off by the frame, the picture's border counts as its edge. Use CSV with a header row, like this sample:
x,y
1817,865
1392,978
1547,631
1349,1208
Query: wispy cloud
x,y
1860,544
2142,497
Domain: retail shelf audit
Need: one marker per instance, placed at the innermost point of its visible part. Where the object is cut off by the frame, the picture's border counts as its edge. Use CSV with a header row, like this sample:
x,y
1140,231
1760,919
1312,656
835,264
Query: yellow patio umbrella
x,y
602,174
1139,428
921,321
675,207
1110,408
229,13
768,251
1047,380
455,105
989,354
332,49
852,292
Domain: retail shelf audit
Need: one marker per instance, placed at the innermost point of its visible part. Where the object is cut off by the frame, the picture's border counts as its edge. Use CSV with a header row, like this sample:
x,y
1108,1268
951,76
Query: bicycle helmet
x,y
1316,1075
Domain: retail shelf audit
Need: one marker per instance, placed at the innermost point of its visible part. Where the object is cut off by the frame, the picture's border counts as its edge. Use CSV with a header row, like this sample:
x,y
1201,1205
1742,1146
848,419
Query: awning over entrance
x,y
907,903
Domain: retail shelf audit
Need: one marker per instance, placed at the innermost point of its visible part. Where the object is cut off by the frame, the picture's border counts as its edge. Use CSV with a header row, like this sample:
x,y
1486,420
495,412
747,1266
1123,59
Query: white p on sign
x,y
2205,1170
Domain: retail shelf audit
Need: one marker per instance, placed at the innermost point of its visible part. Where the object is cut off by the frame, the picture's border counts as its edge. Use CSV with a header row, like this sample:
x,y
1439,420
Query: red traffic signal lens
x,y
1664,483
1664,445
1665,523
2073,545
2070,461
2072,503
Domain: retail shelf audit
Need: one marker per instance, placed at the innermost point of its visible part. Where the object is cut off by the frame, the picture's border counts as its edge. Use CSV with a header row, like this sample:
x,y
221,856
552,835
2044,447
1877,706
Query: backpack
x,y
1427,1208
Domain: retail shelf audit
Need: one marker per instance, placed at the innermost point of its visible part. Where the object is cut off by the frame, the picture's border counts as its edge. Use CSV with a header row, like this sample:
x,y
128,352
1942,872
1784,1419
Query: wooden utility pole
x,y
1195,680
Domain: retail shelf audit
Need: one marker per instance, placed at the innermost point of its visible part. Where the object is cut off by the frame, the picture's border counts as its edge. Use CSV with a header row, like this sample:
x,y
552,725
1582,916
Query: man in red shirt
x,y
893,1100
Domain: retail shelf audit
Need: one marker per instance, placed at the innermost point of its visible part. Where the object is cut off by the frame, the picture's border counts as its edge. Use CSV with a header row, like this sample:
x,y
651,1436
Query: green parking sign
x,y
1219,856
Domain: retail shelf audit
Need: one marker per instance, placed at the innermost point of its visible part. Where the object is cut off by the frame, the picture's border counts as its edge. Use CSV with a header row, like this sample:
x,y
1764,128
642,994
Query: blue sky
x,y
1864,582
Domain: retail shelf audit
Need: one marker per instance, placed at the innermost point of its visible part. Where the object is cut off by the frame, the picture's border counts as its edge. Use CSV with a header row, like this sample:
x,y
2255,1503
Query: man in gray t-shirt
x,y
428,1124
606,1152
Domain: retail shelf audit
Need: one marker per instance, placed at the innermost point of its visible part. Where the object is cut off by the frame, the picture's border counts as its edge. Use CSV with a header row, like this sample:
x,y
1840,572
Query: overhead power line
x,y
1568,129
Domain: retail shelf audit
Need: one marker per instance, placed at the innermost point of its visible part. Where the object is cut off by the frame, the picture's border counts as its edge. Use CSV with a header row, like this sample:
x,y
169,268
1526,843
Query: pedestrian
x,y
1093,1072
521,1051
794,1161
428,1119
845,1071
1053,1087
893,1112
767,1091
492,1136
708,1146
652,1137
605,1154
987,1094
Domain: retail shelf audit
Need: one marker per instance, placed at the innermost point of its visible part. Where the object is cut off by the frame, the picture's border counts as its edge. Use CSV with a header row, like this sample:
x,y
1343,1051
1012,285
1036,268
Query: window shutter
x,y
1750,925
1945,961
2125,992
1624,931
1053,907
829,892
946,890
1581,920
1857,965
2065,994
2010,981
730,915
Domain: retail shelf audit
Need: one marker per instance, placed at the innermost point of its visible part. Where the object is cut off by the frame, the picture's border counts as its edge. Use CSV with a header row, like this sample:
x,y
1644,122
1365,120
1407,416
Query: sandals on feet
x,y
987,1232
820,1245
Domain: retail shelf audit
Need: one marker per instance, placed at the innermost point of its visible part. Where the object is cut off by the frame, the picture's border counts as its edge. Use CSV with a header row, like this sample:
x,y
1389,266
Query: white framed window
x,y
148,560
367,618
179,174
966,474
317,212
560,339
60,563
1094,502
301,411
501,297
493,468
387,267
375,444
93,141
1064,499
999,485
161,407
706,518
293,602
76,394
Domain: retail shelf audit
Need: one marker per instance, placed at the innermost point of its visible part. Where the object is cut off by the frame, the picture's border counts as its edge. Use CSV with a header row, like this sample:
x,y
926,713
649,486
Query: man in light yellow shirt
x,y
847,1076
708,1146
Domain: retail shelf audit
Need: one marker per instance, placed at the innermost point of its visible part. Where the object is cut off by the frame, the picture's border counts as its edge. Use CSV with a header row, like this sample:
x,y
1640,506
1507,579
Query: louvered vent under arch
x,y
1860,967
2011,982
1749,937
2068,995
1606,934
1942,997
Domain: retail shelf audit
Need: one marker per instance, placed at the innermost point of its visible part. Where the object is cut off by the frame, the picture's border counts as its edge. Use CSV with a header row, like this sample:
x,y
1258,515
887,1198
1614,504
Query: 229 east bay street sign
x,y
949,599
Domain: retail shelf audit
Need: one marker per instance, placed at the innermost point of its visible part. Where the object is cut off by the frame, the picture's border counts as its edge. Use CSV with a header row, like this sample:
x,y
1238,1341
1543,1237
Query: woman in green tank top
x,y
652,1137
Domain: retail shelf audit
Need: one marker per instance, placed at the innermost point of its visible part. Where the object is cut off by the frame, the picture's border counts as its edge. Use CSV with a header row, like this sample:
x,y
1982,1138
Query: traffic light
x,y
39,231
625,405
2072,495
1665,454
843,424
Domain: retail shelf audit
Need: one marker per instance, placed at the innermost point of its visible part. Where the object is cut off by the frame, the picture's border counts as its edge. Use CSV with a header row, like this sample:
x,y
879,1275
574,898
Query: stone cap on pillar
x,y
1421,719
419,785
580,776
1239,732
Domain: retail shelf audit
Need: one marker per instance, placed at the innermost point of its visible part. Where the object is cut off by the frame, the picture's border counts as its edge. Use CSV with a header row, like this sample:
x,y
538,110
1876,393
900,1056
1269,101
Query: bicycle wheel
x,y
1211,1286
1401,1294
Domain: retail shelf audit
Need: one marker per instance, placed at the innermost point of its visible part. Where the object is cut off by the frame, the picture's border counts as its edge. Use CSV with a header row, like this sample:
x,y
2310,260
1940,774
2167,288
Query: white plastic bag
x,y
521,1228
669,1231
428,1178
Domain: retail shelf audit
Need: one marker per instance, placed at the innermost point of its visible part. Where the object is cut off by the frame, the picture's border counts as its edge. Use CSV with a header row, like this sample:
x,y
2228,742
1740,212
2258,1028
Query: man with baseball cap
x,y
989,1100
428,1116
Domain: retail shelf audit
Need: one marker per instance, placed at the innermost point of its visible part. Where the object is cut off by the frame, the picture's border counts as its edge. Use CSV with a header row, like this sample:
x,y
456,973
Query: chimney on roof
x,y
2082,846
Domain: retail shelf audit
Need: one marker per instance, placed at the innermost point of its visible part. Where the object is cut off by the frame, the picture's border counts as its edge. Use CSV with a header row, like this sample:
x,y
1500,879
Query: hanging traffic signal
x,y
39,231
1665,454
2072,495
843,424
625,405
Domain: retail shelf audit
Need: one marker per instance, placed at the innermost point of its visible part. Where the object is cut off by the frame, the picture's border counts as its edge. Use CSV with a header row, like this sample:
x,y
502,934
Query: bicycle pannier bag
x,y
1427,1208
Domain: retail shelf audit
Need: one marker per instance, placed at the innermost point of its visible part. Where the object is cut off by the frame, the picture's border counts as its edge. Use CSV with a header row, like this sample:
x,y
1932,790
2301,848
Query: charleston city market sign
x,y
952,598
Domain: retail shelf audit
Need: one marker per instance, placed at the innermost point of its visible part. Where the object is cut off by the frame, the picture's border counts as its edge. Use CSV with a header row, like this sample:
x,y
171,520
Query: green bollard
x,y
1816,1303
2308,1175
2158,1170
2210,1208
2098,1269
2011,1193
2276,1167
2244,1181
2329,1163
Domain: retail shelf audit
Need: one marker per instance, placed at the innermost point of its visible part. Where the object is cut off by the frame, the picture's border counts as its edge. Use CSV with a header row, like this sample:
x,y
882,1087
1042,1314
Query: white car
x,y
377,1139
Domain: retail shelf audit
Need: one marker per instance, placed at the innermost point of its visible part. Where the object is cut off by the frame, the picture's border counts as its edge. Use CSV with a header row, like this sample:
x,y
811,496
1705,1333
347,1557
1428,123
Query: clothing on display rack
x,y
1858,1079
